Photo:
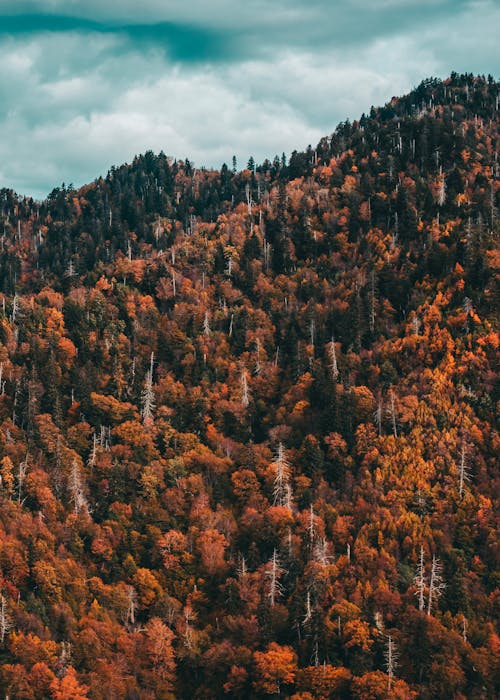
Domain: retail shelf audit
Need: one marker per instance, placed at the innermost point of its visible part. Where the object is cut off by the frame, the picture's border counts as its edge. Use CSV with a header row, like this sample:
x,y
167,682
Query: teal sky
x,y
85,85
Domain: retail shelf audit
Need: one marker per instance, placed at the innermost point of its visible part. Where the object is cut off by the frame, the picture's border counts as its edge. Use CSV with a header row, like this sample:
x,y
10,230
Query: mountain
x,y
248,425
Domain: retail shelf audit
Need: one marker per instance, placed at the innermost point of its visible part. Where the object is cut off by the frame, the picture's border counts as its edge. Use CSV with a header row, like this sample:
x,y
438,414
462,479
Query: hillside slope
x,y
248,429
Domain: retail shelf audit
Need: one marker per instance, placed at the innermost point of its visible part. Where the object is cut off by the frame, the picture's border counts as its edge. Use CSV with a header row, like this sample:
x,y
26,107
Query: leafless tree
x,y
5,619
436,584
420,580
245,391
333,360
274,573
76,489
463,472
148,397
391,657
282,477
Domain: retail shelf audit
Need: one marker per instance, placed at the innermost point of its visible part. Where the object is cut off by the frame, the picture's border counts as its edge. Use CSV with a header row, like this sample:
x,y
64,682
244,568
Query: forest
x,y
249,420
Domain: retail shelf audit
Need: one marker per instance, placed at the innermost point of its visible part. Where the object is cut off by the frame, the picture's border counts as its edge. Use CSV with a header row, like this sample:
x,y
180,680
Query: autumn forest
x,y
248,420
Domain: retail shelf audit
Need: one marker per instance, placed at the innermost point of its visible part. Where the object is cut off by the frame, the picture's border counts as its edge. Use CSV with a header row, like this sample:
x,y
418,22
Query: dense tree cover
x,y
248,420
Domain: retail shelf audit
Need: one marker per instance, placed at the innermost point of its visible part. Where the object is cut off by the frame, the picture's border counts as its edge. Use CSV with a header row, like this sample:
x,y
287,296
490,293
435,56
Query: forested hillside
x,y
248,420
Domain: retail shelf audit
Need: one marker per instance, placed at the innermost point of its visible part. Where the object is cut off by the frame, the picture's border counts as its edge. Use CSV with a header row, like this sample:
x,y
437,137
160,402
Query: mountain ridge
x,y
248,419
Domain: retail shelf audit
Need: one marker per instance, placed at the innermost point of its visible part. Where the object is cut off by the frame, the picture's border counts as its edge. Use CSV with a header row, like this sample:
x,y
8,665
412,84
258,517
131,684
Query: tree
x,y
373,686
325,680
463,472
275,669
441,196
76,489
281,488
436,584
6,623
245,391
390,660
21,475
333,360
212,546
420,580
273,574
148,397
68,687
158,639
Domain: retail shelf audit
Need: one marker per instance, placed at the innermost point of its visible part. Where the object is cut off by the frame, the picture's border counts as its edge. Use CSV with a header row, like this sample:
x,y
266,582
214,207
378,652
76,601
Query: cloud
x,y
229,29
88,85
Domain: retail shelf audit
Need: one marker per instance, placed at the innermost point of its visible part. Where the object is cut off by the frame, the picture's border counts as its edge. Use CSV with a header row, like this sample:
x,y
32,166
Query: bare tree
x,y
288,496
64,659
441,197
282,477
248,197
70,270
5,619
258,366
148,397
242,568
333,360
420,580
132,604
15,308
93,453
463,472
311,528
392,413
245,391
416,325
308,613
274,573
391,657
76,489
320,552
21,475
436,584
188,631
372,301
206,324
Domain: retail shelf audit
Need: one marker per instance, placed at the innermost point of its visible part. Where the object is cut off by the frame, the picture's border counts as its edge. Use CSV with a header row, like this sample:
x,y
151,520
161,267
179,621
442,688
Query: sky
x,y
85,85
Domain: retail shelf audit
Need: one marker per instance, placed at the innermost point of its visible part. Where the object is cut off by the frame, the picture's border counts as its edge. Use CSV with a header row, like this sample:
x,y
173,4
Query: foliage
x,y
248,419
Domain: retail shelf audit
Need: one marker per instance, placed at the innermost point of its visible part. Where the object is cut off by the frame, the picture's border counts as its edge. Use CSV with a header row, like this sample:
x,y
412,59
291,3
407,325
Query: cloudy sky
x,y
88,84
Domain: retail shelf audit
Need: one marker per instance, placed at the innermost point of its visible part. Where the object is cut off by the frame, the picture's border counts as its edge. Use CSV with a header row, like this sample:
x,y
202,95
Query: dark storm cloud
x,y
231,31
182,42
